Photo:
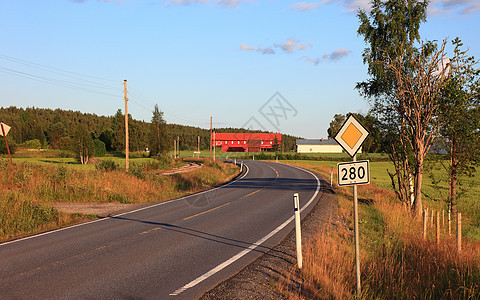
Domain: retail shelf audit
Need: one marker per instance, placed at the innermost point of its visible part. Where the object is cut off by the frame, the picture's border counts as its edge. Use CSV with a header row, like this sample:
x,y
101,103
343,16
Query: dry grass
x,y
27,189
396,262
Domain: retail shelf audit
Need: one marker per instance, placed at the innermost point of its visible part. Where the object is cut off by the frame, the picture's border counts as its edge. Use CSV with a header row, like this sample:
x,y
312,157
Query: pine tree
x,y
157,137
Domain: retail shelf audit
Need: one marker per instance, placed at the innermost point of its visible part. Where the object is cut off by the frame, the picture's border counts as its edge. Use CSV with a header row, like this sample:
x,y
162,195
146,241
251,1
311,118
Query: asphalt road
x,y
177,249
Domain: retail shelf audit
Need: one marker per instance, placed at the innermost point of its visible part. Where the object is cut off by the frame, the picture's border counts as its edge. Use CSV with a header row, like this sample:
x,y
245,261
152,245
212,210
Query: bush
x,y
106,165
11,145
18,216
99,148
33,144
65,143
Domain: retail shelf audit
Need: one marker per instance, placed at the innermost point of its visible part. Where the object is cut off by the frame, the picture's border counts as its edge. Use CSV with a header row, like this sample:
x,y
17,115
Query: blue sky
x,y
284,66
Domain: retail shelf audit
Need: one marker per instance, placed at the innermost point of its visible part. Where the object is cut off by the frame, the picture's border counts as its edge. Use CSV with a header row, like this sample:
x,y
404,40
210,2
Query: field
x,y
395,260
433,195
29,189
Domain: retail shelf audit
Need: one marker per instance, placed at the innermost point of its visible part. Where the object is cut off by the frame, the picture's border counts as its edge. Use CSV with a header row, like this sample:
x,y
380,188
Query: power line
x,y
54,70
88,85
52,81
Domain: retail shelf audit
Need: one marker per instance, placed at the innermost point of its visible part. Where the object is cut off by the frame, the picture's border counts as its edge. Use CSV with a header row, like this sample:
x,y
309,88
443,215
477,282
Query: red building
x,y
246,142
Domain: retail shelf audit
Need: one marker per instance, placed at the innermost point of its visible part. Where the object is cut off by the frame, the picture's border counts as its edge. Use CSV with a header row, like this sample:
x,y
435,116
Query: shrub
x,y
18,216
33,144
107,165
99,148
65,143
11,145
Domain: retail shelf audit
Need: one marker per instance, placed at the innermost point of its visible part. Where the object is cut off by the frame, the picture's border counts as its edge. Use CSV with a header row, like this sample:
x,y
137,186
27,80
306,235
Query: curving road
x,y
176,249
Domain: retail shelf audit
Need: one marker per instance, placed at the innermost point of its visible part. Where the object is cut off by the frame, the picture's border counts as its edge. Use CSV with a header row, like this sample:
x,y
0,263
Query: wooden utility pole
x,y
211,126
126,128
198,147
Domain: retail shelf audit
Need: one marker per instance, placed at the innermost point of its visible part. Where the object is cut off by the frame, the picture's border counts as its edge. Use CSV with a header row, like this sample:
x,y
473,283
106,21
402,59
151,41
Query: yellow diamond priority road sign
x,y
351,136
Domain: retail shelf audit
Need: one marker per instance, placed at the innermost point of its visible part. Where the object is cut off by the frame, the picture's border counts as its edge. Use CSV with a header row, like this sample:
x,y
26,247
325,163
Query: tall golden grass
x,y
396,263
27,189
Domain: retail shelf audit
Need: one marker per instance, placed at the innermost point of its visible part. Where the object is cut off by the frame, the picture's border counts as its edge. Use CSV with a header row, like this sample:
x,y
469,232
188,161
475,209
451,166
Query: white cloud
x,y
288,46
231,3
106,1
436,7
305,6
336,55
314,61
458,7
187,2
267,50
224,3
291,45
349,5
246,48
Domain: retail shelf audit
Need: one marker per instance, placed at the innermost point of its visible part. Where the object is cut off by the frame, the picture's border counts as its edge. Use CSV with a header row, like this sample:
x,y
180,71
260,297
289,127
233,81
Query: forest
x,y
56,129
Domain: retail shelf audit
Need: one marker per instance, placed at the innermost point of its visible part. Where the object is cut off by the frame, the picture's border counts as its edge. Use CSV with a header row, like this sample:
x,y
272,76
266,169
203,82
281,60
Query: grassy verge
x,y
396,261
26,189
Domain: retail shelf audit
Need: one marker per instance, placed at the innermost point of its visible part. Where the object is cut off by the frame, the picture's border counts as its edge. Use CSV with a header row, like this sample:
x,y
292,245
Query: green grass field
x,y
434,196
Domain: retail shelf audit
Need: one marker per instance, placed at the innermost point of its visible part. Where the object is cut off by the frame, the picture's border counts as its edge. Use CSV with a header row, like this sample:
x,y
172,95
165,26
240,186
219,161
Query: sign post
x,y
4,132
351,137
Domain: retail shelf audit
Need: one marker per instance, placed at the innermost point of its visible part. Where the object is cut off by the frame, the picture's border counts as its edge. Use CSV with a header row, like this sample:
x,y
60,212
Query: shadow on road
x,y
211,237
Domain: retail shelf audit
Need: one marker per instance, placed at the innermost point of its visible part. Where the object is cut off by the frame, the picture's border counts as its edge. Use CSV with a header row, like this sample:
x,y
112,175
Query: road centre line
x,y
250,194
274,170
210,210
252,247
123,214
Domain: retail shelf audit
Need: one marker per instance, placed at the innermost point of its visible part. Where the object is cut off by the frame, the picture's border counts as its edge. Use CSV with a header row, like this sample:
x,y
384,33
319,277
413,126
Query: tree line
x,y
92,134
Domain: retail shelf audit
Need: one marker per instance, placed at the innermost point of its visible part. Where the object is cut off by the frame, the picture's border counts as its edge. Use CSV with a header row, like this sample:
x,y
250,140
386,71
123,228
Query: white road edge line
x,y
122,214
249,249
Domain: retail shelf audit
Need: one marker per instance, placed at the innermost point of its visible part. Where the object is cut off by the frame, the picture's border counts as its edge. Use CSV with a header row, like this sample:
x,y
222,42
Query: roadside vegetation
x,y
396,261
29,187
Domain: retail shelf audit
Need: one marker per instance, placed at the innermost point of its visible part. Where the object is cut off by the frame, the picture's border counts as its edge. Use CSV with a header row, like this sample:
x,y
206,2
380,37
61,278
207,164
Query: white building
x,y
318,146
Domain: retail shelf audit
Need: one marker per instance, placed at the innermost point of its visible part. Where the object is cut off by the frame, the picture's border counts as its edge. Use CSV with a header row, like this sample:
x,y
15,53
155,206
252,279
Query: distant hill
x,y
53,127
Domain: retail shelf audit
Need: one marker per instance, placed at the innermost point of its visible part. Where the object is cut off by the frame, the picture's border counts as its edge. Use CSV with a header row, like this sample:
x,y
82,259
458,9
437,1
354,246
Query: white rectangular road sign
x,y
353,173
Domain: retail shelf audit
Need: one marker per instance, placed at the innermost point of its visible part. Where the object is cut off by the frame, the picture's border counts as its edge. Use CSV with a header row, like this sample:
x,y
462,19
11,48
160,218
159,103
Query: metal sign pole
x,y
357,238
6,143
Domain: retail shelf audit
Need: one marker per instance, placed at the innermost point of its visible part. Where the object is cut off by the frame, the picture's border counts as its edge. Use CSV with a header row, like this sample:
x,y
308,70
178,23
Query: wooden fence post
x,y
459,232
443,218
449,221
438,228
425,213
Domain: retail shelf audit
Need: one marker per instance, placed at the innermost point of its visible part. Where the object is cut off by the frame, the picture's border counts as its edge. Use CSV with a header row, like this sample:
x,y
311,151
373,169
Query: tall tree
x,y
83,146
391,31
55,132
459,118
158,136
118,128
337,122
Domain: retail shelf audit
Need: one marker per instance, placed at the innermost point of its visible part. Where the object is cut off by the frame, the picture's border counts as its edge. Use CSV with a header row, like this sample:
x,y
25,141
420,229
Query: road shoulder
x,y
257,280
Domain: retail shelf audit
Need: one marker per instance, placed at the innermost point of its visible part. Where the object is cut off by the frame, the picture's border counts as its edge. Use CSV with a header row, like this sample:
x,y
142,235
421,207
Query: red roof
x,y
247,136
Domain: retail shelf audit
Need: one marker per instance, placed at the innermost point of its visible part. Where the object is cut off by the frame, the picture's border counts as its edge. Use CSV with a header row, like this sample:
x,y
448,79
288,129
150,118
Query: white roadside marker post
x,y
298,230
331,177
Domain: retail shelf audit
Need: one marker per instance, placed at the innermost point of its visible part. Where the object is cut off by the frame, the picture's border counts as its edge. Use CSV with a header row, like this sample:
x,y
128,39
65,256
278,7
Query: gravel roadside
x,y
257,280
